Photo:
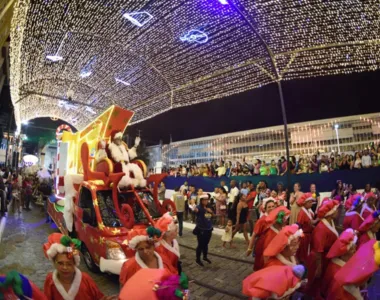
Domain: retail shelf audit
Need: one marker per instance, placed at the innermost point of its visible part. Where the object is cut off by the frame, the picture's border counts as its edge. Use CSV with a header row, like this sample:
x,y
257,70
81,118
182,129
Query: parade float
x,y
102,192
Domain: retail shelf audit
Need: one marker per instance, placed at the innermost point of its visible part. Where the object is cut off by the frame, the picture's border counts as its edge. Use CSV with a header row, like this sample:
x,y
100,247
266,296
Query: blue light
x,y
122,81
87,69
84,74
138,18
195,36
224,2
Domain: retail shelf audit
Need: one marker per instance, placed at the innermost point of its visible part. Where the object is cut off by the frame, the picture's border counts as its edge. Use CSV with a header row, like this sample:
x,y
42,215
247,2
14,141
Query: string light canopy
x,y
153,56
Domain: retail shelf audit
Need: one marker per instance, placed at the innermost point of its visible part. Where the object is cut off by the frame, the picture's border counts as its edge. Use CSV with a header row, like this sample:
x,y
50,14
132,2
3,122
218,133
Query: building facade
x,y
339,135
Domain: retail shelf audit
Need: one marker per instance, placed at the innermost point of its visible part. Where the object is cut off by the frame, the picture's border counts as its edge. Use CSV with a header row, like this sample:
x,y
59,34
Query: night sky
x,y
305,100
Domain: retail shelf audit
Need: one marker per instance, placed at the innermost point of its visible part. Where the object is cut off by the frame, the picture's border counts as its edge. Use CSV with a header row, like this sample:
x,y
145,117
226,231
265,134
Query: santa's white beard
x,y
138,181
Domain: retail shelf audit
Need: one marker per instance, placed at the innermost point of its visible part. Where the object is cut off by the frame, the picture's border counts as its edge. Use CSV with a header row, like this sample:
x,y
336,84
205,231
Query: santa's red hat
x,y
361,266
283,239
353,202
305,198
277,215
166,223
136,236
265,201
274,282
343,244
116,134
58,243
370,221
327,208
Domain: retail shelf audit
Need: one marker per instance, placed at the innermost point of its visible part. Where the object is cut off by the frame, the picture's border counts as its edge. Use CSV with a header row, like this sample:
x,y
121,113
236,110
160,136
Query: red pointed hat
x,y
136,236
274,282
166,223
273,215
282,239
327,208
306,197
370,221
343,244
361,266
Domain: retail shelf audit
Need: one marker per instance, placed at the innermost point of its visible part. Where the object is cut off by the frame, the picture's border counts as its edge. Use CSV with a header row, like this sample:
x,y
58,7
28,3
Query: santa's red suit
x,y
356,272
267,236
365,228
276,282
367,210
120,154
342,246
304,218
259,230
353,220
323,237
82,288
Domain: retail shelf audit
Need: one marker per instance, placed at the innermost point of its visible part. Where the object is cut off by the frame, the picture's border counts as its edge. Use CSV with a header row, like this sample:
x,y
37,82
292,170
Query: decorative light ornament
x,y
224,2
54,118
138,18
122,81
54,58
195,36
87,69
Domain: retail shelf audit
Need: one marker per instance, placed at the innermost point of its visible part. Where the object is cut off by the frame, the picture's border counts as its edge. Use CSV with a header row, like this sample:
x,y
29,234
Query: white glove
x,y
137,141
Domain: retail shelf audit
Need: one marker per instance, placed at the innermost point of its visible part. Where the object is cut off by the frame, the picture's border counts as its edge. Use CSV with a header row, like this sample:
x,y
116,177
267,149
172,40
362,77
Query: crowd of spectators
x,y
298,164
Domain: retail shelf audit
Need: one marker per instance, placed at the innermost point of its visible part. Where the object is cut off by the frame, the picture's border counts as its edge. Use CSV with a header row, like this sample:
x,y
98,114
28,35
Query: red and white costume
x,y
305,216
279,243
366,233
267,236
83,286
346,241
170,252
366,209
121,154
132,265
259,229
353,219
323,237
276,282
356,272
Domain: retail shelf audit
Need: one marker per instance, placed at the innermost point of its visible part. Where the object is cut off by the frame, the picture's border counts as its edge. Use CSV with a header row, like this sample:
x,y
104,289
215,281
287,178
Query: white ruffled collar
x,y
144,266
308,212
174,249
274,229
330,226
338,261
353,290
74,289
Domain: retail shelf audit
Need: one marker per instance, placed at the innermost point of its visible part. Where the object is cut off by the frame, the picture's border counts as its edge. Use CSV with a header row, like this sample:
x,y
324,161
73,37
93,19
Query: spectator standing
x,y
203,229
273,168
264,170
234,193
292,165
221,170
244,190
221,207
357,161
283,166
314,166
241,217
316,196
223,184
161,191
344,164
179,202
3,197
281,194
256,167
184,186
28,190
338,192
351,161
366,159
199,195
229,169
294,207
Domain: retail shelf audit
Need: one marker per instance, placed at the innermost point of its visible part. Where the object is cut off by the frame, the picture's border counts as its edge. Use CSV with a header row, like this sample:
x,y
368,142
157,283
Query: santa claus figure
x,y
121,154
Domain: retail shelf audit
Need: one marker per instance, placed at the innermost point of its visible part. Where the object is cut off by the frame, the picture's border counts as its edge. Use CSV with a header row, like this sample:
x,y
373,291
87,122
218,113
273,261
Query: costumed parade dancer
x,y
121,154
144,241
306,220
323,237
352,218
276,282
369,228
169,247
276,219
67,281
369,205
282,250
14,285
155,284
340,252
356,273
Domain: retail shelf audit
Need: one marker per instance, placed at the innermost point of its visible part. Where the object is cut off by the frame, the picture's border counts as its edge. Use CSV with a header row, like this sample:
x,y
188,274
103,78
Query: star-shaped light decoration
x,y
95,202
102,240
96,257
101,226
84,226
125,242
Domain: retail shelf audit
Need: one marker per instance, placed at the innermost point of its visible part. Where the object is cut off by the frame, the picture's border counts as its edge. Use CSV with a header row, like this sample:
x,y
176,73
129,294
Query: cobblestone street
x,y
21,250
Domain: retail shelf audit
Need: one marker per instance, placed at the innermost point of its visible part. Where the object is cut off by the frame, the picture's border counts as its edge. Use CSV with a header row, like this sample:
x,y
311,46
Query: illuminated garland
x,y
152,56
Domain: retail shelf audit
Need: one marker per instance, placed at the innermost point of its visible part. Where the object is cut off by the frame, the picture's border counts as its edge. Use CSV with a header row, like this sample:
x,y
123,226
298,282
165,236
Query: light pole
x,y
336,126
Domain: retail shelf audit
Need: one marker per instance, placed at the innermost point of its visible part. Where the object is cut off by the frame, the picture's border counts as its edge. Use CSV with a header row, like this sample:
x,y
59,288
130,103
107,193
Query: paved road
x,y
21,249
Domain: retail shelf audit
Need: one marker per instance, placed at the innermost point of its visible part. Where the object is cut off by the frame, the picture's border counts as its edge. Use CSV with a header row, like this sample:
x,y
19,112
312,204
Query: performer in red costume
x,y
340,252
356,272
169,247
306,220
323,237
282,249
276,282
276,219
369,205
369,228
144,242
260,227
352,219
67,281
16,286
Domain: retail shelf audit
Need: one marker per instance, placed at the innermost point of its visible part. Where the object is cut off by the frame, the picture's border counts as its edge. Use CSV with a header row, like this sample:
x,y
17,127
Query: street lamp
x,y
336,126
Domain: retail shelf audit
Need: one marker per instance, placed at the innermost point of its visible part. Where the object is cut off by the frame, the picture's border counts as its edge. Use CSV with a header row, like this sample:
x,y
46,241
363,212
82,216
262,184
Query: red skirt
x,y
304,249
